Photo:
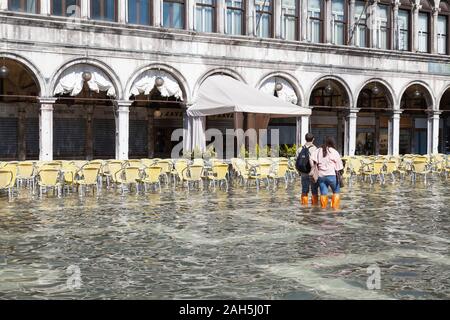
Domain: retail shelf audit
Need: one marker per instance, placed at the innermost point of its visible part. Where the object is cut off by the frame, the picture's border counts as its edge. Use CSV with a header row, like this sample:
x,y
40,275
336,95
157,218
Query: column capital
x,y
352,112
124,103
396,3
435,10
434,113
47,100
397,111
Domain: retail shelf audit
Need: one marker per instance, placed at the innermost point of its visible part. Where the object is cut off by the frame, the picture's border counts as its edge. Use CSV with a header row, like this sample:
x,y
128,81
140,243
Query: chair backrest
x,y
378,166
220,170
49,176
166,165
6,179
112,168
70,171
198,162
264,169
180,165
280,169
152,173
90,174
11,166
132,174
390,166
135,163
419,166
195,172
25,169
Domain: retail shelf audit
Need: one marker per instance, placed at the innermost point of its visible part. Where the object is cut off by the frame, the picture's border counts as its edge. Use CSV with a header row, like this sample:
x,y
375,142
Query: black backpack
x,y
302,163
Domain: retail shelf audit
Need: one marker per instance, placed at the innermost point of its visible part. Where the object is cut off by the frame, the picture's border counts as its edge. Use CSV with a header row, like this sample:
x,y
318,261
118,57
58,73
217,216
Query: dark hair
x,y
309,137
328,142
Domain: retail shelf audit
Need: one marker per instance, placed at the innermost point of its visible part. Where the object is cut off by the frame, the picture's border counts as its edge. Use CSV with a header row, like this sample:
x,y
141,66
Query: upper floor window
x,y
105,10
28,6
315,20
361,31
173,14
338,21
289,9
384,31
424,33
403,27
264,18
66,8
205,15
139,12
442,34
235,17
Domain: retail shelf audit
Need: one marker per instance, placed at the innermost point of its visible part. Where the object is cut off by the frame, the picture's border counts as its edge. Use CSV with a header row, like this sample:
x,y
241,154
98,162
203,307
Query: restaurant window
x,y
28,6
361,31
205,11
235,17
385,26
289,9
315,20
264,18
105,10
423,32
403,27
442,34
338,21
66,8
173,14
139,12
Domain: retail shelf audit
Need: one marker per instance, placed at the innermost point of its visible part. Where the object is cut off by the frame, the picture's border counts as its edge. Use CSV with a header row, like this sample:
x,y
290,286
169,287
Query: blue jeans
x,y
307,183
328,181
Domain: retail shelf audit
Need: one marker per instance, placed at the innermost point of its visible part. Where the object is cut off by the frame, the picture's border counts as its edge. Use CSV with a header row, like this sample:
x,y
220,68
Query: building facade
x,y
113,78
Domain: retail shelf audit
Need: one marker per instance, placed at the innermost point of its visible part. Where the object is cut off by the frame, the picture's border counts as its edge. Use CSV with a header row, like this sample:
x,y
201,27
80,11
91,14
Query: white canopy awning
x,y
146,81
71,81
222,94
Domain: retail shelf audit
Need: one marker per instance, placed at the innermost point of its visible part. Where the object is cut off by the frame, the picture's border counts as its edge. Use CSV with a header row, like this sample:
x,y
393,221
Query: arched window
x,y
28,6
264,13
140,12
384,35
235,17
403,26
338,17
104,10
362,31
205,11
424,33
66,8
173,14
315,20
442,34
289,11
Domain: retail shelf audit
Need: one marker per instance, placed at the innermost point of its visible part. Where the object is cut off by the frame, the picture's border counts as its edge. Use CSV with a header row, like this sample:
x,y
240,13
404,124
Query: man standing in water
x,y
304,168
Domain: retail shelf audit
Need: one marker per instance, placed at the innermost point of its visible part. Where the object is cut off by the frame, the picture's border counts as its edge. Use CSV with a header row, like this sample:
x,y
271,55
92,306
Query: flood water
x,y
226,245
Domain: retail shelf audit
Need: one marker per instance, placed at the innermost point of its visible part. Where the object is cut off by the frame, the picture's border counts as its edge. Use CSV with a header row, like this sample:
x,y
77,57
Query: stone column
x,y
433,132
302,128
373,24
351,22
3,4
395,30
190,14
21,133
221,16
157,13
434,24
278,23
123,11
250,18
350,134
46,129
304,20
394,133
122,129
85,9
327,22
415,25
45,7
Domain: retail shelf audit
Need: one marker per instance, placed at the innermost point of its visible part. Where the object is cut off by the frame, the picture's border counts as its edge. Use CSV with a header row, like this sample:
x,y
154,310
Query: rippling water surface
x,y
235,244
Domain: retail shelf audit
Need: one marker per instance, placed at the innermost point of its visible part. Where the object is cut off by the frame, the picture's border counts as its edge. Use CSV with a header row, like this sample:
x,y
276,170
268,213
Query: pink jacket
x,y
328,165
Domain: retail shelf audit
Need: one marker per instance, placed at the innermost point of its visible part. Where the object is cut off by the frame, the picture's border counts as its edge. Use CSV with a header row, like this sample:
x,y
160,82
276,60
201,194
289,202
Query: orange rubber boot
x,y
324,201
304,199
315,200
335,201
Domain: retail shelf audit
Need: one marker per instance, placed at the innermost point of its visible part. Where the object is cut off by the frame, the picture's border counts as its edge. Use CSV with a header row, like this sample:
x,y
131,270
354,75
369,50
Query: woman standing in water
x,y
328,161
